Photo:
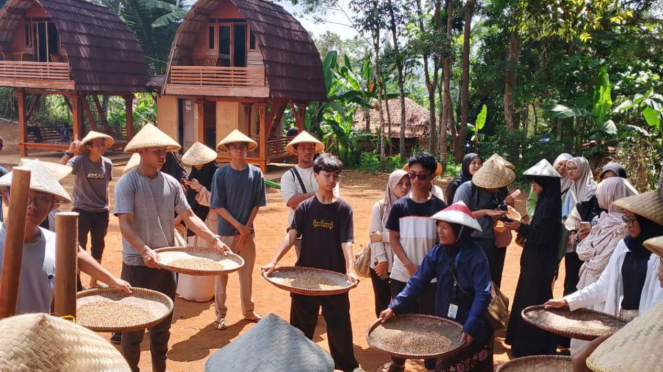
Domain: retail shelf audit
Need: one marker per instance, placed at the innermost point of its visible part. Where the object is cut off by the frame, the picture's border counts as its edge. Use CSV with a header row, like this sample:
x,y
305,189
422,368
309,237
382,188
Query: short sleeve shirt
x,y
35,290
153,203
238,191
91,183
417,231
290,186
324,229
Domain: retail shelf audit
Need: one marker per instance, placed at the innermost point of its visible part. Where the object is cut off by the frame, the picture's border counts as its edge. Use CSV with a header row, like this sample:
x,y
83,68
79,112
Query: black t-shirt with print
x,y
324,228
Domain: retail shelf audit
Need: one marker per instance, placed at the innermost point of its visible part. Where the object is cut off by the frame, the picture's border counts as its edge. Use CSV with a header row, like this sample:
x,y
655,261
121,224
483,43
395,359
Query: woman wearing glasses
x,y
629,284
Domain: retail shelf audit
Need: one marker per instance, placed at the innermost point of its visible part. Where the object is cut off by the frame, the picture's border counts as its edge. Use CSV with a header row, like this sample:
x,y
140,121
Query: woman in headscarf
x,y
629,284
596,249
381,255
462,290
202,160
538,262
581,206
471,164
565,181
613,170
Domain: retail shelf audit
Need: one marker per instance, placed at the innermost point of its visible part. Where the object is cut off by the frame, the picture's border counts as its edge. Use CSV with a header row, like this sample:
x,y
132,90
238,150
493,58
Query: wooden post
x,y
129,105
200,120
66,258
76,116
13,255
301,117
262,139
22,123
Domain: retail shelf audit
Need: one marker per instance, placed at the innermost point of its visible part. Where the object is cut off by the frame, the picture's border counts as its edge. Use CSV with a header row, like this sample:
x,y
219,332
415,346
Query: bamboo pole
x,y
66,258
13,253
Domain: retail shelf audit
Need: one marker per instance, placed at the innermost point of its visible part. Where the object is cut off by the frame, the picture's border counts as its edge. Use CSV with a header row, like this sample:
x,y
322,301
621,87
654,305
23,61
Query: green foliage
x,y
370,162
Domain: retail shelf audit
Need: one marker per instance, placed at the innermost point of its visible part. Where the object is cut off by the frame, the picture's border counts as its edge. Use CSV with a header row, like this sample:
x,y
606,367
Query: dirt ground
x,y
194,337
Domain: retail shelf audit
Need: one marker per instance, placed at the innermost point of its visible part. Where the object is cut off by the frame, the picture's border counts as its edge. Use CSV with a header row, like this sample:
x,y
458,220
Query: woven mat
x,y
539,363
272,345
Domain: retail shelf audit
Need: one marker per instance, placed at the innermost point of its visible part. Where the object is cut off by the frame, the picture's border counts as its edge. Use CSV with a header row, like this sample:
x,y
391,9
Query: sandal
x,y
391,367
255,318
221,324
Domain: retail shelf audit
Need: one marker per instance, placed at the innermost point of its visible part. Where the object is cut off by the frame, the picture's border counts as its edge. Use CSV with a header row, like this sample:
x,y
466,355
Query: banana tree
x,y
478,125
343,137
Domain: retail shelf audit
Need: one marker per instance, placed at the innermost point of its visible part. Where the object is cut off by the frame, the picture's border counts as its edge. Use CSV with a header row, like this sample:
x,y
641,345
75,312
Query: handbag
x,y
498,310
362,262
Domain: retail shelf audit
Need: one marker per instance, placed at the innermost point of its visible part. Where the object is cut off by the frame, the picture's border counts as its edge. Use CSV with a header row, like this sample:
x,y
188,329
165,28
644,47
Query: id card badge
x,y
453,311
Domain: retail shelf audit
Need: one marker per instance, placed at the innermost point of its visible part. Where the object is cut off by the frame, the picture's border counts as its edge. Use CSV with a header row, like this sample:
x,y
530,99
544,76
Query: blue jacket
x,y
473,276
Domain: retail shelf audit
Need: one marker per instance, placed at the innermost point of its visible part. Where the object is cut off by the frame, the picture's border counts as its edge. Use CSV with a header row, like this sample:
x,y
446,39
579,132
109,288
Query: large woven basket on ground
x,y
538,363
415,336
156,305
44,343
327,282
583,324
168,260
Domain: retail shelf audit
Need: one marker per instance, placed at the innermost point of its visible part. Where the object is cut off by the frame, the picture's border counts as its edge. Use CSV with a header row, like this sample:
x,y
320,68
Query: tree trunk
x,y
446,71
525,121
386,108
536,119
510,82
376,48
430,83
401,83
465,82
443,129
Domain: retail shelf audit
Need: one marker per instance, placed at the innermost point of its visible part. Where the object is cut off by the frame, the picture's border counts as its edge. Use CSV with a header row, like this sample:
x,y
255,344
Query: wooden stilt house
x,y
237,64
72,48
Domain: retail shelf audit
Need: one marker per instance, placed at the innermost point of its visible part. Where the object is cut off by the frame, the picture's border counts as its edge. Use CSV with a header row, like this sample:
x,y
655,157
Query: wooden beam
x,y
231,99
12,83
33,107
77,117
200,120
46,91
68,103
22,122
88,112
262,140
301,116
66,258
102,114
196,90
129,108
275,115
293,110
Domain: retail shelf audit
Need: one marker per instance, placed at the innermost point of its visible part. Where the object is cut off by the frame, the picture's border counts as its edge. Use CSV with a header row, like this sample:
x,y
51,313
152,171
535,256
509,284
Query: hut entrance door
x,y
233,45
46,41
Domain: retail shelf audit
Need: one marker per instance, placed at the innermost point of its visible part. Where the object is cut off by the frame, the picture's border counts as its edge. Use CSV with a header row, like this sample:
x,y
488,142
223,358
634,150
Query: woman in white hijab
x,y
381,255
565,181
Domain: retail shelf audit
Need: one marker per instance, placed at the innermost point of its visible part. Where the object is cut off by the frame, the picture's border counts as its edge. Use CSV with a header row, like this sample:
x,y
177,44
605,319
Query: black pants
x,y
158,280
382,292
336,311
497,268
425,305
96,224
572,264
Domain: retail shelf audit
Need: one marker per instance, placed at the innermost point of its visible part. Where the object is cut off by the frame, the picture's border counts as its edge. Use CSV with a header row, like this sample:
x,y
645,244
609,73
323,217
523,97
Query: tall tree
x,y
465,83
510,82
394,18
447,112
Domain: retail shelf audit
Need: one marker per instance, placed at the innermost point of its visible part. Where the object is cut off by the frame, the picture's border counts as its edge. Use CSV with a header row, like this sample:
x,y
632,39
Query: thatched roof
x,y
104,54
417,123
293,67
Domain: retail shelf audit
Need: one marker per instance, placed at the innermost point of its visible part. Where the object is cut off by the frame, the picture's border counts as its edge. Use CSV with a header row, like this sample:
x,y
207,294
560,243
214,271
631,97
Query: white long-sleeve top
x,y
609,287
380,251
203,198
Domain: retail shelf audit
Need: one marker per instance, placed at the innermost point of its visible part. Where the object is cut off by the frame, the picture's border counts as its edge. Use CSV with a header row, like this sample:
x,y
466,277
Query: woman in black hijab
x,y
538,262
471,163
203,175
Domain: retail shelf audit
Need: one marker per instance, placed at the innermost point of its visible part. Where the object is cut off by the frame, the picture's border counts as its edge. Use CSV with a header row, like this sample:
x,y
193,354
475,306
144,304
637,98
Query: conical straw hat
x,y
234,137
133,162
92,135
304,137
44,343
150,136
58,171
493,175
632,348
647,205
503,161
438,170
655,245
542,169
41,180
458,213
199,154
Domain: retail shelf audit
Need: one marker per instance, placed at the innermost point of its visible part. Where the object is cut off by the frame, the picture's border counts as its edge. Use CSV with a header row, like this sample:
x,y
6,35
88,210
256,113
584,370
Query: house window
x,y
252,40
26,34
210,43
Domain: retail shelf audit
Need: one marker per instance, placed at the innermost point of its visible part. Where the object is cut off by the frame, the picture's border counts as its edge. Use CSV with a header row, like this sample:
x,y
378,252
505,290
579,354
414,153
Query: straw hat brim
x,y
304,137
438,170
58,171
647,205
133,162
150,137
41,180
493,175
655,245
236,137
542,169
92,135
41,342
199,154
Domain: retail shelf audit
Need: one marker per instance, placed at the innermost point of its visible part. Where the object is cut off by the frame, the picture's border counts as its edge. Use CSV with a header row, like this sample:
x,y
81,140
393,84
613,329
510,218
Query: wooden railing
x,y
20,70
218,76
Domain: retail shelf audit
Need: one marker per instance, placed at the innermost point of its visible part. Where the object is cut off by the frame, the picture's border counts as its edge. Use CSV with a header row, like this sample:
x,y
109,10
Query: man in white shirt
x,y
298,184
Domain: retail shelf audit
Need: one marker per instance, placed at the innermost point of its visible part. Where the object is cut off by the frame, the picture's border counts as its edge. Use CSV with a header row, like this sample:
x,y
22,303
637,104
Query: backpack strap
x,y
299,178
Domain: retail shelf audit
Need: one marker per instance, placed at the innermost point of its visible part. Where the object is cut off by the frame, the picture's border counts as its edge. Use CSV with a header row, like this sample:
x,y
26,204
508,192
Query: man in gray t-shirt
x,y
92,174
238,191
146,201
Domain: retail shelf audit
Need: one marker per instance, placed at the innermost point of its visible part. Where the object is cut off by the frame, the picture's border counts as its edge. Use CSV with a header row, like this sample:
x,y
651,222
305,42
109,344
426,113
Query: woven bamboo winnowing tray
x,y
169,255
583,324
403,336
538,363
342,283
